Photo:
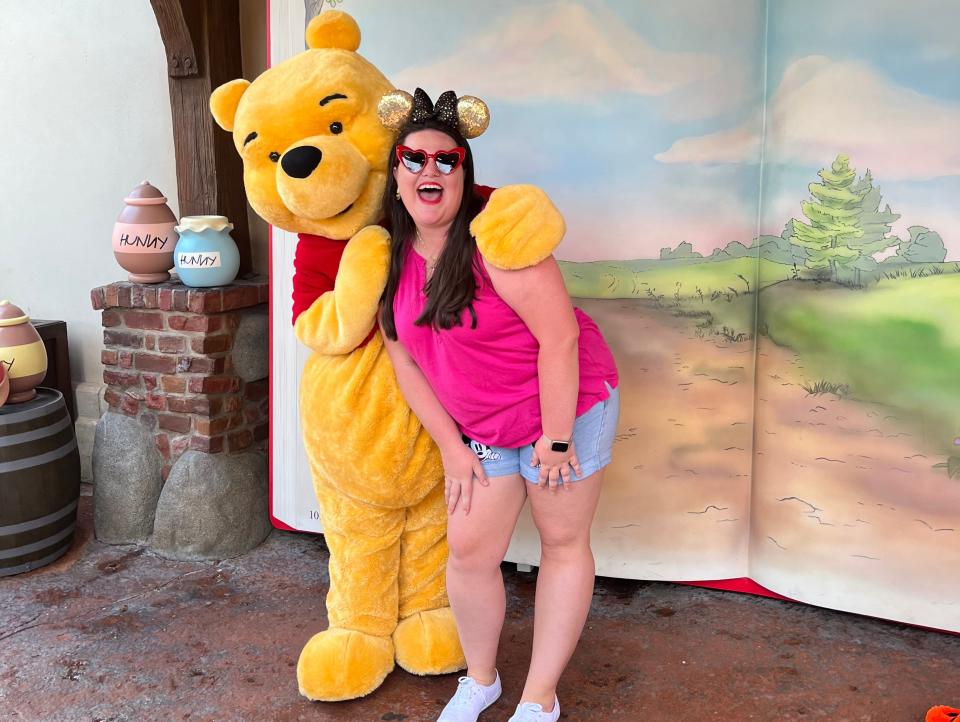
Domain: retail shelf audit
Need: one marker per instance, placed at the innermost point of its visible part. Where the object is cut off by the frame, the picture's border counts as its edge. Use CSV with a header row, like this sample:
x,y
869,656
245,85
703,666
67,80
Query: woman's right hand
x,y
460,466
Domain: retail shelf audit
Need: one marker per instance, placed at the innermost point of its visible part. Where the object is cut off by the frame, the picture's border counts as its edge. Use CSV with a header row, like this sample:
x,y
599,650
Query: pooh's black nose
x,y
301,162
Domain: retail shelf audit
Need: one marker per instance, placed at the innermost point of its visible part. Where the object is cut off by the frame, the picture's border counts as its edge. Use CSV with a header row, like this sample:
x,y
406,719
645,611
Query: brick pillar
x,y
168,361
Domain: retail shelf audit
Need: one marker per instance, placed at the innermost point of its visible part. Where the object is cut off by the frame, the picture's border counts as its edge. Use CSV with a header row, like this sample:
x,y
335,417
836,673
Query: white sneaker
x,y
470,700
533,712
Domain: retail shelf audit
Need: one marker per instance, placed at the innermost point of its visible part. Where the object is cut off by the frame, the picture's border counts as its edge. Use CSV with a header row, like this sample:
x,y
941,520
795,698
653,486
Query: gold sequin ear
x,y
474,116
394,109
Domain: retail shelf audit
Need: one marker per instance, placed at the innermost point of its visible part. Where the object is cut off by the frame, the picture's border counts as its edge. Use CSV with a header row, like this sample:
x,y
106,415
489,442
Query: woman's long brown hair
x,y
453,286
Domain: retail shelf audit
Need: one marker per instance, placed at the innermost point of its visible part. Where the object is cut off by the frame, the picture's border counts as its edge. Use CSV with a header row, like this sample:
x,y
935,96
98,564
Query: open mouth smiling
x,y
430,192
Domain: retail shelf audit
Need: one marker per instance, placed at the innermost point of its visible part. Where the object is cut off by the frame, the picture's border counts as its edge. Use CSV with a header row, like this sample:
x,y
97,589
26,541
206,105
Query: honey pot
x,y
22,353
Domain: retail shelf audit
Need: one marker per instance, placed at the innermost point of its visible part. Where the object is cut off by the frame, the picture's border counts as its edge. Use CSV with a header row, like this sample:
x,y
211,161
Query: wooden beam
x,y
202,41
181,57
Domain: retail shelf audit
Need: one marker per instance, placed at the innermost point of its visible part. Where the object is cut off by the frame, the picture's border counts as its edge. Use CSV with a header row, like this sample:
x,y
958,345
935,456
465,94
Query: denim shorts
x,y
593,434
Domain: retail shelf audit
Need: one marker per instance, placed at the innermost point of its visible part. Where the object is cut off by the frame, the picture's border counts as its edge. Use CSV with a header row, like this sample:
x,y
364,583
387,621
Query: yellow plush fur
x,y
283,108
519,227
376,473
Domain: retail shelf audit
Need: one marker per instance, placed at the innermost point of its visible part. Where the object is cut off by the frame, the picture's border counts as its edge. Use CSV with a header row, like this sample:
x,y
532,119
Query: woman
x,y
519,392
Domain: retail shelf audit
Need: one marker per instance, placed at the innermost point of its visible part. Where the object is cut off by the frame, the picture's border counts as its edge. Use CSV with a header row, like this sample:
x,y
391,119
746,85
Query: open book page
x,y
592,101
292,503
292,500
820,433
856,492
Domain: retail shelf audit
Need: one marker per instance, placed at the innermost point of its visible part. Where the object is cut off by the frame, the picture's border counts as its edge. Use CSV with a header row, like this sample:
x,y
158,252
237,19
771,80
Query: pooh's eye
x,y
274,156
336,127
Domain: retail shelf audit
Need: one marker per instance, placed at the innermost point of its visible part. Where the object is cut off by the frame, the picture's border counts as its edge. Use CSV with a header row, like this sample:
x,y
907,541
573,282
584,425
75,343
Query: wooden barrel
x,y
39,482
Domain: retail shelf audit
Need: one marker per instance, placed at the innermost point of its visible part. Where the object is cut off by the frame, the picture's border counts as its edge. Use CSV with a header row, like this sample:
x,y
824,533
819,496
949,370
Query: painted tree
x,y
874,223
833,215
924,246
684,249
315,7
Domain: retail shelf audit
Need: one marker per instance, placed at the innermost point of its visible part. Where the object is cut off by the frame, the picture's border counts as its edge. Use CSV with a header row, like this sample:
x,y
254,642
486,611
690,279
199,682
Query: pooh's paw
x,y
518,227
428,643
366,259
340,664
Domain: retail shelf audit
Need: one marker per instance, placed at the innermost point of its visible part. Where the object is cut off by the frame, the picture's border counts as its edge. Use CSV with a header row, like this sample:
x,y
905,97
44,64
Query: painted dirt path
x,y
846,510
675,498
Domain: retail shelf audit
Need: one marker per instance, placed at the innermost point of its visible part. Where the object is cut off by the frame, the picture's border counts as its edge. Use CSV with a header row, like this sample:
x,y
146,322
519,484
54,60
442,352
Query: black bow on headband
x,y
445,109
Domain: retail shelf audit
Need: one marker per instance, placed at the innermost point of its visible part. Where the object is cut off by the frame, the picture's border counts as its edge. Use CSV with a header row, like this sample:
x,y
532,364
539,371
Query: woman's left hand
x,y
554,465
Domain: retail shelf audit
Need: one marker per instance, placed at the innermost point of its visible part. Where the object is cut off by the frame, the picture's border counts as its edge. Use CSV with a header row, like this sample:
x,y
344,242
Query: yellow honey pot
x,y
22,353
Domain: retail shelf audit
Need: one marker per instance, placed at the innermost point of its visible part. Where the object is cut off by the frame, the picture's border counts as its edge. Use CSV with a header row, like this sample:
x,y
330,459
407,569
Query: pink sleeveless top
x,y
486,378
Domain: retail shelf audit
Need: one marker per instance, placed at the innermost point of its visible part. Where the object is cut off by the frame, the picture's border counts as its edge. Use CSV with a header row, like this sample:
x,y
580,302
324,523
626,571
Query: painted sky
x,y
645,120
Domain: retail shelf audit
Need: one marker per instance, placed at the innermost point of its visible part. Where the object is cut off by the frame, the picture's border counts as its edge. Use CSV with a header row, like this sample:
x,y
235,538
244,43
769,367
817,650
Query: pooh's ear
x,y
224,102
333,29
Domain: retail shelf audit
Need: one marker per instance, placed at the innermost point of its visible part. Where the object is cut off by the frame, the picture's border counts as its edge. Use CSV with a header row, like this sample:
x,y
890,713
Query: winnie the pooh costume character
x,y
315,157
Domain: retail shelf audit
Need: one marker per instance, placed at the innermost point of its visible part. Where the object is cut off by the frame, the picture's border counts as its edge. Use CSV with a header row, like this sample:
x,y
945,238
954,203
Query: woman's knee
x,y
563,539
564,519
479,540
470,552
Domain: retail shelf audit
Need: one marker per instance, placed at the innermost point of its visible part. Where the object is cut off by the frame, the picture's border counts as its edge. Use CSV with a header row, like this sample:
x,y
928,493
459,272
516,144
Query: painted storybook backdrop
x,y
763,204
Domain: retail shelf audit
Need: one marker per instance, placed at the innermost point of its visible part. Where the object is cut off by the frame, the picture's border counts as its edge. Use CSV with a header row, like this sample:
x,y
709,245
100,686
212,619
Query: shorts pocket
x,y
608,423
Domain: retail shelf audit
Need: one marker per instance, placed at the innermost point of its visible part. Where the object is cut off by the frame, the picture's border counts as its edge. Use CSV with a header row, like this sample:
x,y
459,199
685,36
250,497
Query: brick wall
x,y
168,360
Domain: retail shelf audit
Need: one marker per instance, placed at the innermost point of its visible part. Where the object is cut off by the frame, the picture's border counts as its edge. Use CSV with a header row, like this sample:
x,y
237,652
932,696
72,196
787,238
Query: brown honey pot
x,y
144,237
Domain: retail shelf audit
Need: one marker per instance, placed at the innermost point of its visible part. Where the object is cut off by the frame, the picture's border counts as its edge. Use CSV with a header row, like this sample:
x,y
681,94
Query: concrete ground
x,y
117,633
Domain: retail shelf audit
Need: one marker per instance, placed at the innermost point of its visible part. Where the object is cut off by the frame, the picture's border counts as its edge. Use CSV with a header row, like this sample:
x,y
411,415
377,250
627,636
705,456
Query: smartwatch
x,y
560,446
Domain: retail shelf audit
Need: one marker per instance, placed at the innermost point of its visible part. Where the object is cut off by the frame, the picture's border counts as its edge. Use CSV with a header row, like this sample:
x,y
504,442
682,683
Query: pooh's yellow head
x,y
314,151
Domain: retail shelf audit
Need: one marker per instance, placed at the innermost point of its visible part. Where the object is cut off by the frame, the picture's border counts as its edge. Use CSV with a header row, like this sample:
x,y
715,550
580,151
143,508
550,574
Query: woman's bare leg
x,y
564,582
477,543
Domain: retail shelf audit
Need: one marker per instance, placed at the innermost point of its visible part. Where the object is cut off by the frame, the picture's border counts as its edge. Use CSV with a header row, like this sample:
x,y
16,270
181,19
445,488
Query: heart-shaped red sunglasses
x,y
415,160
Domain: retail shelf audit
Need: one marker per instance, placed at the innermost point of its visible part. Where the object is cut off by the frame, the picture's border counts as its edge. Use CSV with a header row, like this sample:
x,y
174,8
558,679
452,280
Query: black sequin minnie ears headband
x,y
467,114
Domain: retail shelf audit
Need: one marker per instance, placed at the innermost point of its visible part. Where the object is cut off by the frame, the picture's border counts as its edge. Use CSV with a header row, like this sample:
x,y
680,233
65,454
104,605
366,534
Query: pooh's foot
x,y
428,643
340,664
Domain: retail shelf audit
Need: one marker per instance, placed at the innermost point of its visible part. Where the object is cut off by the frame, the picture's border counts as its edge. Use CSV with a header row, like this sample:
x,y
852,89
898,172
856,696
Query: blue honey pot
x,y
206,255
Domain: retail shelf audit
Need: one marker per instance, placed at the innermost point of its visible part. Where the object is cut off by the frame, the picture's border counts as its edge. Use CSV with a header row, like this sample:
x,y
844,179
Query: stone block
x,y
127,481
86,429
212,506
251,346
89,399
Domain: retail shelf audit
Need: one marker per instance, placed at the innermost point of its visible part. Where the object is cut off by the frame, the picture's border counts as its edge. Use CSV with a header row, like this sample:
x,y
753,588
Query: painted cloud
x,y
560,51
822,107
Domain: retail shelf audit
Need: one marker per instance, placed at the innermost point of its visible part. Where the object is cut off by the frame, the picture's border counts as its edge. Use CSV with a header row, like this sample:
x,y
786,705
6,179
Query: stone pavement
x,y
121,634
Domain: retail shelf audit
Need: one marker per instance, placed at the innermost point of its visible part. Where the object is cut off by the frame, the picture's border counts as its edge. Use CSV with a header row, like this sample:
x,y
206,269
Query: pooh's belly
x,y
361,437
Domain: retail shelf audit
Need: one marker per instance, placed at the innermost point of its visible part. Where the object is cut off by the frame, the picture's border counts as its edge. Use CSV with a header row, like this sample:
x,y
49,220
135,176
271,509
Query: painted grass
x,y
827,387
897,343
712,294
715,293
637,279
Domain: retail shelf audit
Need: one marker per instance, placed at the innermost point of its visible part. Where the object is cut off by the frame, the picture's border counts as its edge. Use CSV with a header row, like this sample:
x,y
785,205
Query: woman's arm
x,y
540,298
460,464
419,395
